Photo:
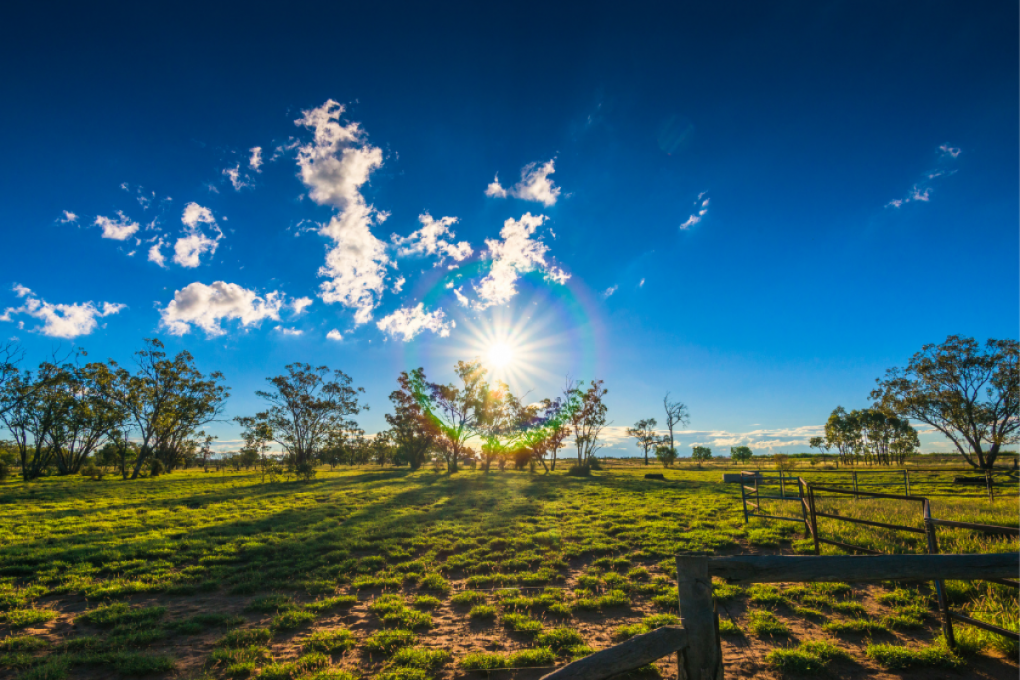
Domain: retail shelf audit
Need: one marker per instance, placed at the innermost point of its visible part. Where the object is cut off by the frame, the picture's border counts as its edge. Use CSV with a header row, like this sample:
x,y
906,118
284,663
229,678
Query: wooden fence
x,y
806,498
697,643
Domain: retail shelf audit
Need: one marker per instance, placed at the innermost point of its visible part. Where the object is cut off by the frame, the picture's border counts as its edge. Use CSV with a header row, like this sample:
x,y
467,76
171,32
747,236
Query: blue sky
x,y
758,208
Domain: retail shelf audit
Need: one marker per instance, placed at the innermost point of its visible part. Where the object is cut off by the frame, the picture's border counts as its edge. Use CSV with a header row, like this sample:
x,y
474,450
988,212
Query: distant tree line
x,y
70,415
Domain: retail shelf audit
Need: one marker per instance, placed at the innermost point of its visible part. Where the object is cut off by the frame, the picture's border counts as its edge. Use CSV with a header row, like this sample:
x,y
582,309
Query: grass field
x,y
392,574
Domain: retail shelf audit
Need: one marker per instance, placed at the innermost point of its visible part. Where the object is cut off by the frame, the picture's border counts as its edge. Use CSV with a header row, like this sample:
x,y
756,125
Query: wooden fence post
x,y
702,660
988,484
782,486
743,494
940,587
803,506
814,519
855,484
906,480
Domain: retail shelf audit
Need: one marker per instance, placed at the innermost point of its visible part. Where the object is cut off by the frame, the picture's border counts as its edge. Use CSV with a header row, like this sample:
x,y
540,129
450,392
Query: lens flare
x,y
500,355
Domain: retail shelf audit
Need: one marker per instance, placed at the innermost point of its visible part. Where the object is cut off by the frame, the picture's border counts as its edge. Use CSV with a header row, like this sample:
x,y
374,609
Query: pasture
x,y
386,573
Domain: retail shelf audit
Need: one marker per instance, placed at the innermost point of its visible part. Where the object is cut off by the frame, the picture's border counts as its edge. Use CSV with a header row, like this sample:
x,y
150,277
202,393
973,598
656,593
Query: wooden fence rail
x,y
697,643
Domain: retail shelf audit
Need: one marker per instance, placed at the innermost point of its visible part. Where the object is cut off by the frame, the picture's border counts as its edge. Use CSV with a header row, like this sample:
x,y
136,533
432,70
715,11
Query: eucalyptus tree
x,y
457,411
306,407
740,454
700,454
677,415
969,393
165,400
644,432
414,435
843,433
31,414
588,420
85,417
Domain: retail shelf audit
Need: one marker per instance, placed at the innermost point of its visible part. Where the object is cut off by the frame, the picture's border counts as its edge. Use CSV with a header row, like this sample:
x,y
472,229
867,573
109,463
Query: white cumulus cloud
x,y
188,249
255,160
237,180
334,166
300,304
408,322
60,321
156,254
68,217
429,240
535,185
207,306
516,253
120,229
289,331
334,335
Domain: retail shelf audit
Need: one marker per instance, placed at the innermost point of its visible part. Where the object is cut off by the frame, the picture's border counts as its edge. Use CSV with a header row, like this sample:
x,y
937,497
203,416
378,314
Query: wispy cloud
x,y
68,217
700,210
609,291
429,240
922,190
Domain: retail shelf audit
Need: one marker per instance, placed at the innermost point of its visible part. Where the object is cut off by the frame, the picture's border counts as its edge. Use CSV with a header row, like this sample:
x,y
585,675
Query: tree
x,y
33,411
414,435
700,454
676,415
666,454
740,454
457,412
588,420
968,393
256,435
819,443
644,432
306,406
843,433
166,400
84,416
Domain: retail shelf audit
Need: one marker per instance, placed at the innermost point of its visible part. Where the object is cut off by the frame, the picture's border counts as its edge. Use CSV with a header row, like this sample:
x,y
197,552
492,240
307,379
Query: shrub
x,y
666,455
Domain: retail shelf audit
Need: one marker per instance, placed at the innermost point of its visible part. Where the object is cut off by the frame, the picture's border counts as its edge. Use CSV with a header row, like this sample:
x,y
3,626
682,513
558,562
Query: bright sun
x,y
500,355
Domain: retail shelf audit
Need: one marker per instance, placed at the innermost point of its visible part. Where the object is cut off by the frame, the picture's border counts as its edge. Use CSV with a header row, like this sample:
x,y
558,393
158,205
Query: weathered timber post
x,y
702,660
782,486
940,587
855,485
988,484
743,494
803,506
906,480
814,519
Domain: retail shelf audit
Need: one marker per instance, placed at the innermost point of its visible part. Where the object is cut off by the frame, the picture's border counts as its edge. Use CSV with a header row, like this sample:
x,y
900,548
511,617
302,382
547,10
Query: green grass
x,y
894,657
389,641
301,555
421,657
560,639
27,618
761,622
855,626
329,641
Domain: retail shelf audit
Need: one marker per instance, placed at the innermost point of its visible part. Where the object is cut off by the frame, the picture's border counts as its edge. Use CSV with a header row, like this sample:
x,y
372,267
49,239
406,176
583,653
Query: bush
x,y
666,455
156,467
